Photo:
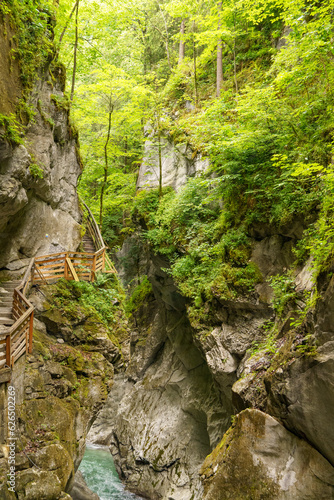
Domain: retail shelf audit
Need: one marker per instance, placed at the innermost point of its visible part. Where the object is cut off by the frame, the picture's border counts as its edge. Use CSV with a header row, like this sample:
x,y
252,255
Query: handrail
x,y
25,279
95,227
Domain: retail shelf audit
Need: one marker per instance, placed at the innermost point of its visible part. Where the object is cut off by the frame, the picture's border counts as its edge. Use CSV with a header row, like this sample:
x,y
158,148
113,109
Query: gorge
x,y
183,318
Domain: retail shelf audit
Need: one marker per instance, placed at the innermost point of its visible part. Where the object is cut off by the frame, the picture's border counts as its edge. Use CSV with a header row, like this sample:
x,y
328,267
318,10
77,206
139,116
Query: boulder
x,y
80,490
259,459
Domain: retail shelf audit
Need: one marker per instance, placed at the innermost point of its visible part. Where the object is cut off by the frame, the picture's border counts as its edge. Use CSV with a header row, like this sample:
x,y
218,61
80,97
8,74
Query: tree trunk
x,y
67,23
219,55
182,45
75,51
167,35
195,67
234,59
160,161
105,165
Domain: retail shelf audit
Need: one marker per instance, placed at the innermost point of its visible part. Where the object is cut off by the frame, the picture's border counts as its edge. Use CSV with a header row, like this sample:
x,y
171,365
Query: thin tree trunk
x,y
126,153
219,54
67,23
195,67
160,163
167,35
234,59
75,51
182,45
105,165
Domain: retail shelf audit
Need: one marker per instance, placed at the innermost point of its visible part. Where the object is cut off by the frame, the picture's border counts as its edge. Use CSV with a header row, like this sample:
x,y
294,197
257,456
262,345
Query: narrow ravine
x,y
100,474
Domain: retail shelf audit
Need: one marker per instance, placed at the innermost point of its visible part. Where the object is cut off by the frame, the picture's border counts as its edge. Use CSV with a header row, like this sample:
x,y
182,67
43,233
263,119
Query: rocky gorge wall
x,y
59,389
168,418
39,168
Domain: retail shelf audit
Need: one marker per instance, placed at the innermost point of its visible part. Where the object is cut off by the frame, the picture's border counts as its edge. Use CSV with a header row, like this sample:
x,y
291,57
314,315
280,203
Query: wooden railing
x,y
95,233
17,339
93,229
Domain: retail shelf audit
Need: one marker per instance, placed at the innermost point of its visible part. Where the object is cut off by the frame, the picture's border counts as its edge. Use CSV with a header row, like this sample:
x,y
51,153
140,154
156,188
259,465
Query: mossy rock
x,y
259,459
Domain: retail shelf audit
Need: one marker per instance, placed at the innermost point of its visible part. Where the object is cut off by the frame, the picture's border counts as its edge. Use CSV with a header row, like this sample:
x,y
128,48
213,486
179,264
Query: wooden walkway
x,y
17,313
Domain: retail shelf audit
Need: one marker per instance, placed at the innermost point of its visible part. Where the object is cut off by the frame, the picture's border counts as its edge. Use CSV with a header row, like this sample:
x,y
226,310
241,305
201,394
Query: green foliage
x,y
284,291
36,171
32,21
61,102
268,344
11,129
307,346
268,135
208,258
138,296
101,299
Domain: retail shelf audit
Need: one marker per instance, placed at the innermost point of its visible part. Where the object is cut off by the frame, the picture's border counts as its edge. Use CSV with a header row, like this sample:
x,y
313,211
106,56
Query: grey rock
x,y
258,458
273,254
80,490
30,206
304,399
101,430
171,415
177,165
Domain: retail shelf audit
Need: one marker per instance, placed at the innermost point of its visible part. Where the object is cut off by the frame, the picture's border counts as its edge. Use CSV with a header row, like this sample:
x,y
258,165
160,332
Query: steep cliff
x,y
39,165
60,387
193,369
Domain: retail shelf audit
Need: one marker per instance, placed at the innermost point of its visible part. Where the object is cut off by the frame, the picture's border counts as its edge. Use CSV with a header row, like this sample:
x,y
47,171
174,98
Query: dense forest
x,y
248,85
217,320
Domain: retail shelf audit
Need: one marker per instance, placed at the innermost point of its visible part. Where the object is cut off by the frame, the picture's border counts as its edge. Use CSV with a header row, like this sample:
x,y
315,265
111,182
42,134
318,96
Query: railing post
x,y
8,350
32,274
31,327
66,267
104,260
93,268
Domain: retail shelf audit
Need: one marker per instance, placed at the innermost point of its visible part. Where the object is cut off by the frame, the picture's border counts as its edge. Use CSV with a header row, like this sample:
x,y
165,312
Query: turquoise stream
x,y
98,469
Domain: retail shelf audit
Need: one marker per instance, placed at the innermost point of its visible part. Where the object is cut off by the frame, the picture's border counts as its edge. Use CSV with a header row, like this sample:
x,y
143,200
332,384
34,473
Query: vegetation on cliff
x,y
267,129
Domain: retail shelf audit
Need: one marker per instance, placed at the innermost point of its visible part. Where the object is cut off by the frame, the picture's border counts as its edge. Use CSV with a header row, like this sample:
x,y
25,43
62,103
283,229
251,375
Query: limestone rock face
x,y
259,459
170,414
38,199
178,164
59,391
304,398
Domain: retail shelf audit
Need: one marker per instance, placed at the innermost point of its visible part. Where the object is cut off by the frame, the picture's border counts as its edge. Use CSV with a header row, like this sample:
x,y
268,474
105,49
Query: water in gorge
x,y
99,471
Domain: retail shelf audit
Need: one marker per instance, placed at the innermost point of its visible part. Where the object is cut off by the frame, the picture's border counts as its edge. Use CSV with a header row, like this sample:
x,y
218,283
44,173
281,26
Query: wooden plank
x,y
19,333
31,326
49,255
52,272
49,276
74,274
19,346
14,327
18,341
56,265
19,354
39,272
89,254
8,350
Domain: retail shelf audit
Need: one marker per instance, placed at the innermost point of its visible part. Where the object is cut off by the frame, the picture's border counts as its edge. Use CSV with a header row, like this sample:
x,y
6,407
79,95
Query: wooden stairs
x,y
88,244
6,301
